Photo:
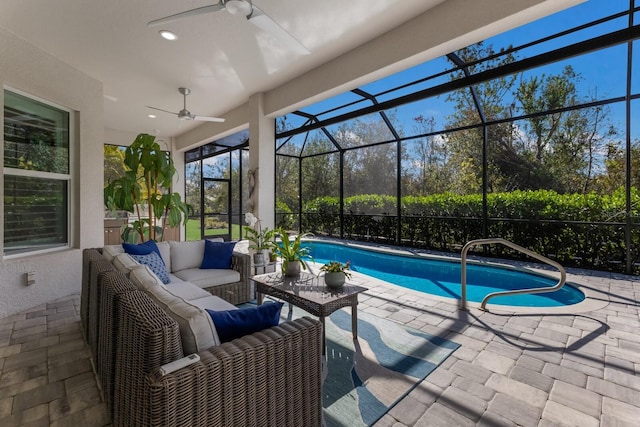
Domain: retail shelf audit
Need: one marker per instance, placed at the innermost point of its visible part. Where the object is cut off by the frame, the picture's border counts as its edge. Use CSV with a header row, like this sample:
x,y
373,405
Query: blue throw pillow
x,y
217,254
144,248
154,262
232,324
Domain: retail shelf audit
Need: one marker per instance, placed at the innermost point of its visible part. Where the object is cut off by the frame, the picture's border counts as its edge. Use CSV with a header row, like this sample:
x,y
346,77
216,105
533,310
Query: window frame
x,y
69,178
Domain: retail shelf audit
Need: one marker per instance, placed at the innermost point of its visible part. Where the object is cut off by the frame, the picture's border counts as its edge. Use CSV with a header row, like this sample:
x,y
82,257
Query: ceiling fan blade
x,y
160,109
208,119
181,15
264,22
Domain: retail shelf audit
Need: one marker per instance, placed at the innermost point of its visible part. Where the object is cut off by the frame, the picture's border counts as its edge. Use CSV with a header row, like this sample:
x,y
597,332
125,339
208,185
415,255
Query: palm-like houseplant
x,y
292,252
261,240
146,185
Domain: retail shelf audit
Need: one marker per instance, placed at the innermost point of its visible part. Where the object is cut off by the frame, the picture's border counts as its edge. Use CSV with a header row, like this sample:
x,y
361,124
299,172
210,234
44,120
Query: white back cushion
x,y
196,327
124,263
165,253
186,254
143,277
110,251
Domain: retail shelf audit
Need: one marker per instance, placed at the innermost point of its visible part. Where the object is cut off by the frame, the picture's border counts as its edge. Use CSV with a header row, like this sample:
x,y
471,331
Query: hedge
x,y
584,230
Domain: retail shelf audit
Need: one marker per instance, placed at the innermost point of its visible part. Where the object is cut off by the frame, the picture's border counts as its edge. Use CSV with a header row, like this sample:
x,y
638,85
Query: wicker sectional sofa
x,y
268,378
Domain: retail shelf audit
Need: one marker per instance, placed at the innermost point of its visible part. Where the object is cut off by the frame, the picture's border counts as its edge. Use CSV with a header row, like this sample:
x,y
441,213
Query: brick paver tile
x,y
471,371
426,392
408,410
70,369
494,362
25,358
34,415
38,396
15,389
484,393
562,415
626,379
73,402
518,390
516,410
464,403
20,375
590,371
614,391
565,374
576,398
490,419
441,416
532,378
621,410
5,407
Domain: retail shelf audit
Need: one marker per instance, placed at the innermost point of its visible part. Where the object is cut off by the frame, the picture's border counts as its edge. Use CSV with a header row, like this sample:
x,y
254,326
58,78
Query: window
x,y
37,178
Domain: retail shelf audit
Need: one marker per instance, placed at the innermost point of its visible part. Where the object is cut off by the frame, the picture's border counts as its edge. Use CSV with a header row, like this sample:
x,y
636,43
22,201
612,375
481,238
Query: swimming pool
x,y
442,278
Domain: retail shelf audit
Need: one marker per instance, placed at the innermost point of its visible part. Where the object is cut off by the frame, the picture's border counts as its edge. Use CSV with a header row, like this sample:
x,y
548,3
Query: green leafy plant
x,y
291,249
144,190
259,238
337,267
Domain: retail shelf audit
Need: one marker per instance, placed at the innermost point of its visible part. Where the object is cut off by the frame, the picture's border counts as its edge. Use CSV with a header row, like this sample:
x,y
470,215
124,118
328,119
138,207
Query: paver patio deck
x,y
576,366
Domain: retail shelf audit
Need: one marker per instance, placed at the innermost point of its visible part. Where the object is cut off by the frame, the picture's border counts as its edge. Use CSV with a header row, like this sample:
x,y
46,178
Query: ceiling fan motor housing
x,y
238,7
185,115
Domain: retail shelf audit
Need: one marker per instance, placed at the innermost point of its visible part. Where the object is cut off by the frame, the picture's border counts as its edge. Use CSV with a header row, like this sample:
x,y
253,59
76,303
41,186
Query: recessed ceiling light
x,y
168,35
152,116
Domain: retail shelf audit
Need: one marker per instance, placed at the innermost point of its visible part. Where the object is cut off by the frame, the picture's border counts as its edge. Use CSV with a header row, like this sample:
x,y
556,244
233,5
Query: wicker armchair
x,y
269,378
238,292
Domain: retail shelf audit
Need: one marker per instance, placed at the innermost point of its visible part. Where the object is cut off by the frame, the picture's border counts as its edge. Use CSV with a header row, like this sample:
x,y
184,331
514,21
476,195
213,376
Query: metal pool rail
x,y
480,242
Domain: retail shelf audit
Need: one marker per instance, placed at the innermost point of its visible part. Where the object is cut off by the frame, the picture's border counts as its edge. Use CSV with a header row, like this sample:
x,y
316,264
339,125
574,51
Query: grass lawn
x,y
193,231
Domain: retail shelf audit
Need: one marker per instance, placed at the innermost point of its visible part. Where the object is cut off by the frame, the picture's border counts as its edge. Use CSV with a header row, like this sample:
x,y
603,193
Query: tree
x,y
552,147
425,161
113,163
144,190
465,145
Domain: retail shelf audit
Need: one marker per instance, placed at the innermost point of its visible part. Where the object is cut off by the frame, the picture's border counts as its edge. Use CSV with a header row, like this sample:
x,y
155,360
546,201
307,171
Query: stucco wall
x,y
33,71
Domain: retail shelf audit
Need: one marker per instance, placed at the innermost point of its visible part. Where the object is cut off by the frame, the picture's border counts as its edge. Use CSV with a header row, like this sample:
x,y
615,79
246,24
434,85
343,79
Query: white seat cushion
x,y
213,303
174,279
187,291
208,278
197,330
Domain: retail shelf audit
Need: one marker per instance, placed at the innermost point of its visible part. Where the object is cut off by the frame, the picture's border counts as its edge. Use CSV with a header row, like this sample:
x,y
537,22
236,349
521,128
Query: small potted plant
x,y
292,252
335,273
261,240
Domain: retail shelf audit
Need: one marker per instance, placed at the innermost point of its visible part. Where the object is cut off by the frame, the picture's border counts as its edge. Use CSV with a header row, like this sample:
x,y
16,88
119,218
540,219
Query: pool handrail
x,y
478,242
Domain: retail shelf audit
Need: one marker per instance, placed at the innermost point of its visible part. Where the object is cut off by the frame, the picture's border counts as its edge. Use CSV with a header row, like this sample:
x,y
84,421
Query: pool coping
x,y
594,299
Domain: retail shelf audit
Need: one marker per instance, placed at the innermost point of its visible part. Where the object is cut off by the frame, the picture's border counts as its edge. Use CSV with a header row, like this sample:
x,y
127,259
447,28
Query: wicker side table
x,y
309,293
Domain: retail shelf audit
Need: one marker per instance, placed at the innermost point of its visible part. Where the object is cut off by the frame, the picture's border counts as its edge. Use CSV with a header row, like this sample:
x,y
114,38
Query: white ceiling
x,y
222,58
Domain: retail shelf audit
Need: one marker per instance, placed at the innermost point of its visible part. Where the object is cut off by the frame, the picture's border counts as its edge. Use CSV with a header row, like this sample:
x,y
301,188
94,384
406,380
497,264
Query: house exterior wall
x,y
33,71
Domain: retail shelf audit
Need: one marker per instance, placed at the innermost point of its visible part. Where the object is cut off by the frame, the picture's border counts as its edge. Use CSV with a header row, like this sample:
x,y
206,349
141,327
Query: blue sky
x,y
603,72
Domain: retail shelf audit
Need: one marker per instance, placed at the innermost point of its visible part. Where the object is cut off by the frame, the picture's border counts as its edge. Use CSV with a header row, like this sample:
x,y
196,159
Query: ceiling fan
x,y
244,8
185,114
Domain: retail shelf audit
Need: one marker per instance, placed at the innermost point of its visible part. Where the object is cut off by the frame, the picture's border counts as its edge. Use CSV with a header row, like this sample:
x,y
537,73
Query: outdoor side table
x,y
309,293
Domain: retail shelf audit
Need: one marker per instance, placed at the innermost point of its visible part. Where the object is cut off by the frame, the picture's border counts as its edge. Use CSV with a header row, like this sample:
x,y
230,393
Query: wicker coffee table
x,y
309,293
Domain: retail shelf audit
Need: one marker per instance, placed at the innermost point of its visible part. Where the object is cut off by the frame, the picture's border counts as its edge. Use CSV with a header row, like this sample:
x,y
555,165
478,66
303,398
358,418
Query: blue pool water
x,y
442,278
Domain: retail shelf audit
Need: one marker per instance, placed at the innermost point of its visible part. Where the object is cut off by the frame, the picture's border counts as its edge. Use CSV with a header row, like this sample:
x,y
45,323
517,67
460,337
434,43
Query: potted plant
x,y
335,273
292,252
262,241
144,190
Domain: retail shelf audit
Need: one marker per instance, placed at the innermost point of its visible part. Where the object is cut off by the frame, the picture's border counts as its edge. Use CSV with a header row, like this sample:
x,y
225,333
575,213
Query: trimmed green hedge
x,y
576,229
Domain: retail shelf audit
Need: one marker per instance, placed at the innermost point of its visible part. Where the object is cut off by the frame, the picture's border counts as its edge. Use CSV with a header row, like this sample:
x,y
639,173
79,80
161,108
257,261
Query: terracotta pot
x,y
334,280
